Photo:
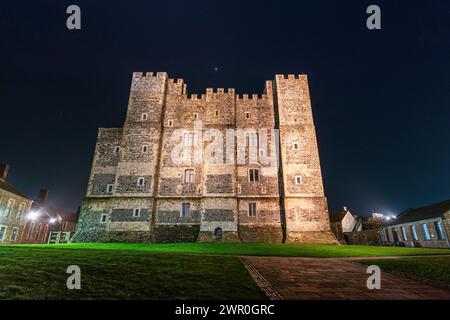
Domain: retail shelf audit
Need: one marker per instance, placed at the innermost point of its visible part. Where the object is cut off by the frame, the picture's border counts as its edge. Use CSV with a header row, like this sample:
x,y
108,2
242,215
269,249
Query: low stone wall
x,y
254,233
176,233
324,237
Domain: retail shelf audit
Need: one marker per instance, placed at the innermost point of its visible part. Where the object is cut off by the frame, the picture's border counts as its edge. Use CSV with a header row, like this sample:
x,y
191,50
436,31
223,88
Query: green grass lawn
x,y
256,249
33,273
435,270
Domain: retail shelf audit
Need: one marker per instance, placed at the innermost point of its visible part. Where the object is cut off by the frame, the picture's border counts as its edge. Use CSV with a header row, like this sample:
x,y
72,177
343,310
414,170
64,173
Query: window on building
x,y
14,233
295,146
426,233
239,189
140,182
439,230
297,213
263,190
405,238
261,152
195,116
188,139
2,232
298,180
216,113
252,139
144,116
136,212
189,176
145,148
20,211
253,175
414,233
116,150
103,218
109,188
9,207
247,115
252,209
170,123
185,210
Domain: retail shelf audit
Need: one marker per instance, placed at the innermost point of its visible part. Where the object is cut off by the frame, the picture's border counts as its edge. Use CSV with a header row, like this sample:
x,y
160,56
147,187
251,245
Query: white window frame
x,y
105,216
295,146
116,150
297,213
239,189
298,180
12,233
144,116
254,176
139,184
4,233
195,115
191,175
9,208
170,123
188,212
138,211
252,209
145,148
20,211
110,186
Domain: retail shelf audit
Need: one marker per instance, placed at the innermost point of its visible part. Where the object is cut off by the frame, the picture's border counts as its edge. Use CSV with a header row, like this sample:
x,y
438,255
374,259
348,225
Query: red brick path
x,y
310,278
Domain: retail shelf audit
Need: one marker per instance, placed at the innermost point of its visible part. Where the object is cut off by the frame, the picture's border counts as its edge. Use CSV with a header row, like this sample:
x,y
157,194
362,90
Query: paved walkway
x,y
336,279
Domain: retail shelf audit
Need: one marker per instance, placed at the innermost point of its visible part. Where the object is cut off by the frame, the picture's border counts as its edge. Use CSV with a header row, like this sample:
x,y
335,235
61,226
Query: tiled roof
x,y
422,213
5,185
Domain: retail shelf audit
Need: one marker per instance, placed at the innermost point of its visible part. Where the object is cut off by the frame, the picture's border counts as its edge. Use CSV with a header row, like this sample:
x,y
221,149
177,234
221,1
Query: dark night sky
x,y
381,99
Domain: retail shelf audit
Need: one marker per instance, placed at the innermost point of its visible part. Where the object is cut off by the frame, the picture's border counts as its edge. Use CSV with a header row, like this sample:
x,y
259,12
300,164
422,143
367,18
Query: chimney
x,y
43,195
344,208
4,168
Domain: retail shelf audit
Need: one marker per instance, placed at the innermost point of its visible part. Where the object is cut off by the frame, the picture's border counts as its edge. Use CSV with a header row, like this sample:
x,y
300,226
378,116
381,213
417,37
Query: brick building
x,y
142,189
427,226
44,218
14,207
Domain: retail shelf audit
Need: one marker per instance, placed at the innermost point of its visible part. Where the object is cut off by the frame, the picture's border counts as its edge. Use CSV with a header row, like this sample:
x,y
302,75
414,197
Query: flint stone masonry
x,y
219,183
219,193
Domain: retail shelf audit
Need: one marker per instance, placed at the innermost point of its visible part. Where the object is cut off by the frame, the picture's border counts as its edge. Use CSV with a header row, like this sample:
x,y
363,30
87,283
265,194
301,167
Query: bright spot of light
x,y
52,220
33,215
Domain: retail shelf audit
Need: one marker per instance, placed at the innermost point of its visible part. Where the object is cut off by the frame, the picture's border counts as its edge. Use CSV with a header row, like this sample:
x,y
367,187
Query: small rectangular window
x,y
295,146
189,176
185,210
263,190
144,116
14,233
136,212
217,113
252,209
252,139
109,188
140,182
247,115
253,175
116,150
405,238
2,232
414,233
439,230
170,123
239,189
195,116
298,180
103,218
426,233
144,148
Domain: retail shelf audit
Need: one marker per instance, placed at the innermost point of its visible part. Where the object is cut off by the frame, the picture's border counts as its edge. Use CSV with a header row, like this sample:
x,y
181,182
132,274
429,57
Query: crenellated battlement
x,y
139,75
302,77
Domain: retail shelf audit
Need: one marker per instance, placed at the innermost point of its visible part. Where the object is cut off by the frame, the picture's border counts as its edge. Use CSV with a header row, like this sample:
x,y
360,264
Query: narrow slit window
x,y
144,116
136,212
140,182
298,180
145,148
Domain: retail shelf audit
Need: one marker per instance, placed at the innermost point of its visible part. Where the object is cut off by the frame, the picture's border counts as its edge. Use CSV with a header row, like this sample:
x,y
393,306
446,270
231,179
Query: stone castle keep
x,y
137,192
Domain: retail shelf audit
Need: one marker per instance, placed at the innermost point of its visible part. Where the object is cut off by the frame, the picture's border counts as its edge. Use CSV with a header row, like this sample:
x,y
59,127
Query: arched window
x,y
218,232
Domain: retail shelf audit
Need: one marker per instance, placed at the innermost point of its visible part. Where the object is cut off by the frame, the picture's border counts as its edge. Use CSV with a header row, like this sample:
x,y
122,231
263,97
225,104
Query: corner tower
x,y
303,203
